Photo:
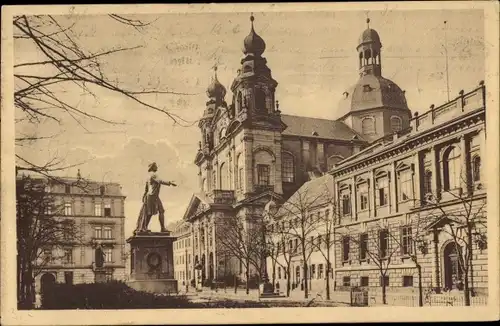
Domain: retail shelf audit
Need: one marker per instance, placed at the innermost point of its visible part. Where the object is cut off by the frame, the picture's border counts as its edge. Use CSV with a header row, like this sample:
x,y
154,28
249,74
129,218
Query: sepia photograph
x,y
206,157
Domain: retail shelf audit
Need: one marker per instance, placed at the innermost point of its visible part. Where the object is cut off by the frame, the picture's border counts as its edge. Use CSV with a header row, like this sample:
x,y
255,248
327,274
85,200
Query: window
x,y
427,182
287,169
68,277
68,256
363,246
368,126
98,232
364,281
382,193
108,255
296,245
451,169
242,182
346,281
320,271
383,238
408,281
107,210
290,244
67,189
239,101
320,241
279,272
405,185
260,100
263,177
67,209
406,241
476,168
384,281
48,210
204,185
223,178
396,124
97,209
107,233
345,248
346,204
363,196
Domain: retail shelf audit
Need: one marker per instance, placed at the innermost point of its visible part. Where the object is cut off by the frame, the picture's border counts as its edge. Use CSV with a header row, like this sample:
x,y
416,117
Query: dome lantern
x,y
369,52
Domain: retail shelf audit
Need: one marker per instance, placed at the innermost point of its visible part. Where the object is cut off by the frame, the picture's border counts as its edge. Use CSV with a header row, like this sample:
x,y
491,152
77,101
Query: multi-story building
x,y
97,209
411,189
183,254
412,197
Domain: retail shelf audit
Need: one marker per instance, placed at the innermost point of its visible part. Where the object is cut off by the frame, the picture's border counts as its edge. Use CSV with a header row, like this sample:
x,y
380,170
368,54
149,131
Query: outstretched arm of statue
x,y
163,182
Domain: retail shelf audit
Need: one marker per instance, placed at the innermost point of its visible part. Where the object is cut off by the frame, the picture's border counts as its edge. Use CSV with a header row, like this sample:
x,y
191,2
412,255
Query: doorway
x,y
452,270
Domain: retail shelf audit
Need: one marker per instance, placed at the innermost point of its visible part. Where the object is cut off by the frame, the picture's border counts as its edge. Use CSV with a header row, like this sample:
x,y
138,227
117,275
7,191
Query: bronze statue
x,y
151,203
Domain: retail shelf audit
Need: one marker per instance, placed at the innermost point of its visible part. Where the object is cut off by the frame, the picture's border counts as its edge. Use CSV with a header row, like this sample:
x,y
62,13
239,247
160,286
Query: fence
x,y
436,300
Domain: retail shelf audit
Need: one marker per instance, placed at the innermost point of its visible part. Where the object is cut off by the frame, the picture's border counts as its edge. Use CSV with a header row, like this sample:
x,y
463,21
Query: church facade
x,y
389,168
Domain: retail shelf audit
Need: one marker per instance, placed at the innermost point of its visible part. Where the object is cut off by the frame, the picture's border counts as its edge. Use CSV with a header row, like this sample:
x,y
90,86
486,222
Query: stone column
x,y
464,175
394,191
248,168
372,212
417,180
277,165
352,192
436,277
482,153
435,184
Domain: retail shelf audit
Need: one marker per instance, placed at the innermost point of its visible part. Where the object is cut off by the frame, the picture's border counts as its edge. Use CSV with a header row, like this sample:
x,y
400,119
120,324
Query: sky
x,y
312,55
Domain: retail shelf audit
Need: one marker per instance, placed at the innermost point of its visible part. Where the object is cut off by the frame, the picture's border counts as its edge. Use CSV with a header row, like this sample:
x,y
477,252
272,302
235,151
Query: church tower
x,y
254,88
375,106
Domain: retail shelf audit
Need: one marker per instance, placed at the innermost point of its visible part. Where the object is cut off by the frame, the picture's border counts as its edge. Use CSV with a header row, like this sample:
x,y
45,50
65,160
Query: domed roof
x,y
253,43
216,89
369,35
371,92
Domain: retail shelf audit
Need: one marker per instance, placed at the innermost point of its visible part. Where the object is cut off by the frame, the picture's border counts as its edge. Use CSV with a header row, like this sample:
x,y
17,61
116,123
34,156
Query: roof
x,y
305,126
369,35
371,92
313,193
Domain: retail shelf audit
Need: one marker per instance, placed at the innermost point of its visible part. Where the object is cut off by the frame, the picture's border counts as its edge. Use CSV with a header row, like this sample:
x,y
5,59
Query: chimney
x,y
414,121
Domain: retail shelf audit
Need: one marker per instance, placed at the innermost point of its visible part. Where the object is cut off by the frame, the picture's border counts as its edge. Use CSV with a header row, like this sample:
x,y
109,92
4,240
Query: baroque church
x,y
252,153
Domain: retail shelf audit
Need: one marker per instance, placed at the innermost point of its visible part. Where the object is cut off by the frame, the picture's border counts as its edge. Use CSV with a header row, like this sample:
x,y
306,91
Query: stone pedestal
x,y
152,262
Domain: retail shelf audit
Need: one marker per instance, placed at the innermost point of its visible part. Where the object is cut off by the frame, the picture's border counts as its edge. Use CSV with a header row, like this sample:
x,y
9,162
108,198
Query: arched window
x,y
223,177
476,168
427,182
451,168
405,184
203,185
288,168
239,102
368,126
396,124
260,100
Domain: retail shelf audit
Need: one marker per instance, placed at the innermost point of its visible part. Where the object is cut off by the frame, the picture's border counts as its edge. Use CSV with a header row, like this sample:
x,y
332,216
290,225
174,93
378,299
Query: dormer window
x,y
367,88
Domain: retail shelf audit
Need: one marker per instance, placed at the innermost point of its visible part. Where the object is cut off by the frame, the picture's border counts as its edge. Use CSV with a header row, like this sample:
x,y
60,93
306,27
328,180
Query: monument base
x,y
155,286
152,265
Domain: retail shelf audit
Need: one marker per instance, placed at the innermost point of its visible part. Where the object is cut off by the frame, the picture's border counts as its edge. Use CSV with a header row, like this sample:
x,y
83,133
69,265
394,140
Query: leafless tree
x,y
65,65
375,243
243,239
303,224
41,232
466,224
281,248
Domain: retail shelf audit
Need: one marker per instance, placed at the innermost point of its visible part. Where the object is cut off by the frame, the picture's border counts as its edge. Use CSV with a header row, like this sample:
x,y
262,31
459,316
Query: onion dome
x,y
253,43
216,89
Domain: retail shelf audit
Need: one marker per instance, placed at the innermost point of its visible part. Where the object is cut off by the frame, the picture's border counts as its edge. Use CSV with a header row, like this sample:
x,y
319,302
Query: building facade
x,y
408,199
98,212
183,254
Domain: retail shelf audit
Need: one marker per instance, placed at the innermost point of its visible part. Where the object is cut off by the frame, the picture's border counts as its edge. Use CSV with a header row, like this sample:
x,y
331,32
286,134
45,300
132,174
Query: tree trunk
x,y
235,283
304,279
288,281
466,290
420,288
384,294
248,280
274,276
327,279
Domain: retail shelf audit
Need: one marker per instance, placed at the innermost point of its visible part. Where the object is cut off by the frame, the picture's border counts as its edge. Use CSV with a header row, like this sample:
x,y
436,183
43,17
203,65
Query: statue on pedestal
x,y
151,203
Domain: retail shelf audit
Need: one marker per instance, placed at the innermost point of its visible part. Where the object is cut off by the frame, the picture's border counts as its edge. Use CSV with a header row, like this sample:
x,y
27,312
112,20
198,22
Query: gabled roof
x,y
305,126
313,193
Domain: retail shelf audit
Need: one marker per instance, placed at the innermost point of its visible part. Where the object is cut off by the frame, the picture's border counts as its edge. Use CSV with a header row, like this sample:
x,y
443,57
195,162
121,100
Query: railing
x,y
223,196
411,300
463,103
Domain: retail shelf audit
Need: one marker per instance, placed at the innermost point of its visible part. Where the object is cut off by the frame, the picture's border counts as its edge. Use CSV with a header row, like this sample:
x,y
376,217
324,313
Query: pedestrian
x,y
278,287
